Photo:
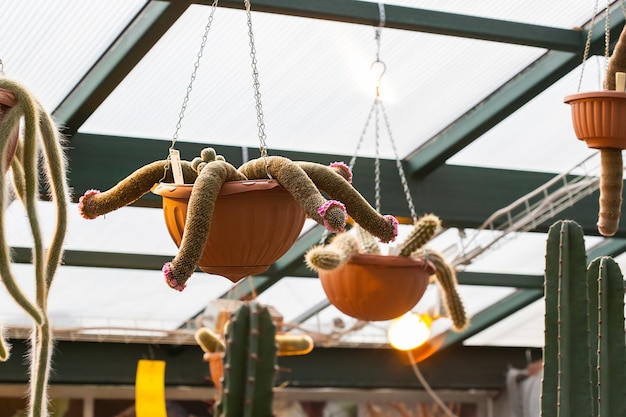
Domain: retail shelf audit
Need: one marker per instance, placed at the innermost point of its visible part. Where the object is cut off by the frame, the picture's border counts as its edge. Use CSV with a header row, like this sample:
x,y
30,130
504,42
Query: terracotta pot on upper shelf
x,y
376,287
7,100
254,223
599,118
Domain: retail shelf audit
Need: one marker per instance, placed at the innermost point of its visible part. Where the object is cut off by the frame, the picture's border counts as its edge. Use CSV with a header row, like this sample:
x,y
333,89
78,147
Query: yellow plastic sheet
x,y
150,389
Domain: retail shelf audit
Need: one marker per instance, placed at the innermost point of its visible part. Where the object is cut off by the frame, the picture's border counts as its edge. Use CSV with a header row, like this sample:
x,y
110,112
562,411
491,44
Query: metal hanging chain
x,y
607,37
1,68
607,34
193,74
363,132
588,44
377,160
405,185
256,84
378,108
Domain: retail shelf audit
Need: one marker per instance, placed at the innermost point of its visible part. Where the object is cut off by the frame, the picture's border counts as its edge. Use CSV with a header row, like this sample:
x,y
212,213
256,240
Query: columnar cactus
x,y
249,364
584,360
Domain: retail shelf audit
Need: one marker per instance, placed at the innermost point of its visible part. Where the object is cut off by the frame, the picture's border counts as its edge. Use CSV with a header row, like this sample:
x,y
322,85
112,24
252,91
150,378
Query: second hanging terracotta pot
x,y
254,223
377,287
599,118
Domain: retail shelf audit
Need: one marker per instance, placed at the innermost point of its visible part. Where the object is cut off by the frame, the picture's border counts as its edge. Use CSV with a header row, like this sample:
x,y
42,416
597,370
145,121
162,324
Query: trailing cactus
x,y
4,347
423,231
445,276
585,353
249,364
38,153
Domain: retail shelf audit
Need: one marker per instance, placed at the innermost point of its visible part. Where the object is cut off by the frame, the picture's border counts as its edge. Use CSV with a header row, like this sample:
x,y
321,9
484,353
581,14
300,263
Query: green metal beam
x,y
421,20
500,280
98,259
482,190
121,57
505,101
94,363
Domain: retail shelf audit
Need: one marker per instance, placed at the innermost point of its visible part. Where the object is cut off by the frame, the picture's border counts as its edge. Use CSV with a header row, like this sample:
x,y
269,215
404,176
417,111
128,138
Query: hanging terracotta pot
x,y
7,100
254,223
598,118
376,287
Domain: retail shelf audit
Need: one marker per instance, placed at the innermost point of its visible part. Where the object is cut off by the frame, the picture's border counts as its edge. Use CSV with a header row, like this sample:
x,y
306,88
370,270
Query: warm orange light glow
x,y
409,331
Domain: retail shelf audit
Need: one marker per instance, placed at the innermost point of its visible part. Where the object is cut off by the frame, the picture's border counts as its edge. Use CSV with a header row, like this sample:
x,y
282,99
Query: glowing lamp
x,y
409,331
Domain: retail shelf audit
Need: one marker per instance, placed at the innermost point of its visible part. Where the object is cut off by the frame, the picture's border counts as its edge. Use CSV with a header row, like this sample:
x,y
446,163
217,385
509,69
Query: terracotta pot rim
x,y
389,261
7,98
595,95
171,190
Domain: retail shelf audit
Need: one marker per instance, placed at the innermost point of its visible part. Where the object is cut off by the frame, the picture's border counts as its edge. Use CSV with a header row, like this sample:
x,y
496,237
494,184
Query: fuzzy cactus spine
x,y
445,276
4,347
368,242
249,363
342,247
423,231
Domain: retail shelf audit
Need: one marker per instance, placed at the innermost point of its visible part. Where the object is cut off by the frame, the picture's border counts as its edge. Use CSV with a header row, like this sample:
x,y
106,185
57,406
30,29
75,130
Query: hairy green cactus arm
x,y
329,213
208,340
41,142
423,231
611,185
327,179
198,223
369,244
333,255
5,348
446,279
95,203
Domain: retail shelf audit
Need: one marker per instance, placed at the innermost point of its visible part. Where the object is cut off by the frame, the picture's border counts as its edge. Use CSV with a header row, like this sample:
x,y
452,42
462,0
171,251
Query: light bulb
x,y
409,331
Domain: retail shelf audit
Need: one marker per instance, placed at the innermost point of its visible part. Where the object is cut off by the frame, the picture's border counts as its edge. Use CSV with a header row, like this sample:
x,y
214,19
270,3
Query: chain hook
x,y
380,76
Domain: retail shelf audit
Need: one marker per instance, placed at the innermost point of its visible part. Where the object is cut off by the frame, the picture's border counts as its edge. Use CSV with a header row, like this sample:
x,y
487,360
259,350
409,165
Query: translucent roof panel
x,y
50,45
316,97
293,296
88,297
523,328
531,137
128,230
